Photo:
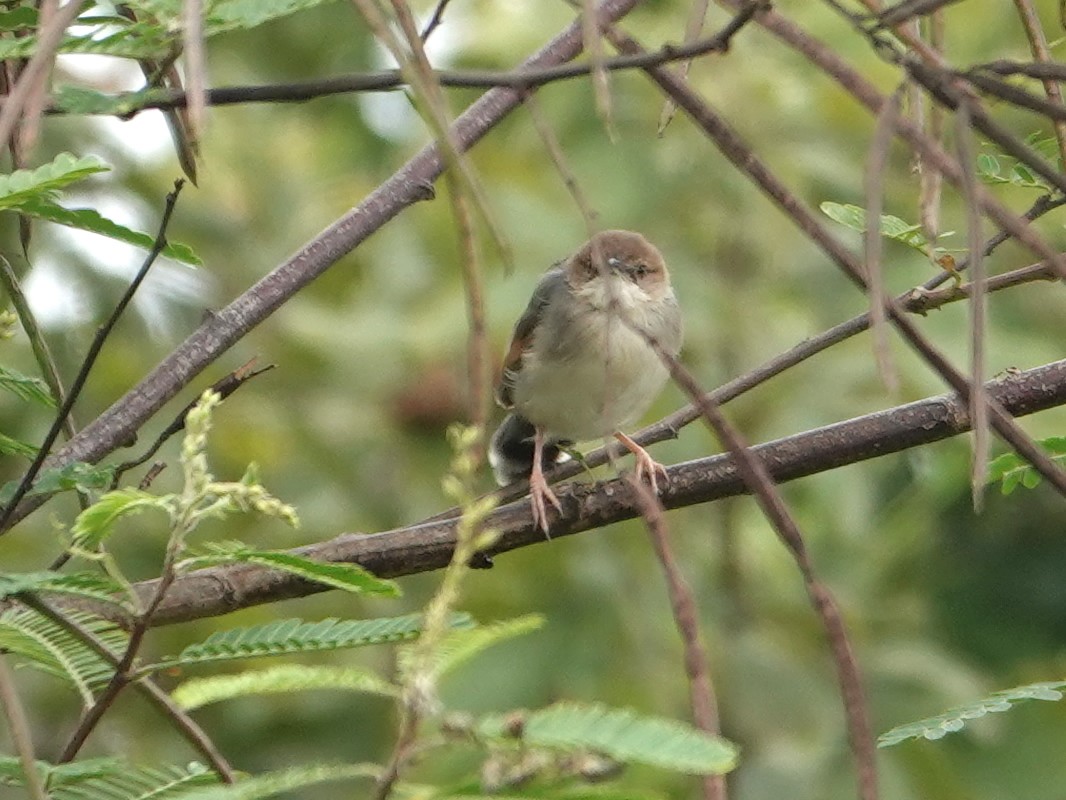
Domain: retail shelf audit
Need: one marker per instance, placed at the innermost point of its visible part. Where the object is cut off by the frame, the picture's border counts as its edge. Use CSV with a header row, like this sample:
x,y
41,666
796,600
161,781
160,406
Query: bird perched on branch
x,y
580,365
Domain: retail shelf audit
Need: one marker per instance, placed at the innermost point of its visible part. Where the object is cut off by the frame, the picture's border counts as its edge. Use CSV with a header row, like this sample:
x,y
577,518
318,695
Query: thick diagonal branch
x,y
587,506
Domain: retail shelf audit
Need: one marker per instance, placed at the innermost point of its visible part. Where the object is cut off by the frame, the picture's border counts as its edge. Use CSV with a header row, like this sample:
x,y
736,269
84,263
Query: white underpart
x,y
612,375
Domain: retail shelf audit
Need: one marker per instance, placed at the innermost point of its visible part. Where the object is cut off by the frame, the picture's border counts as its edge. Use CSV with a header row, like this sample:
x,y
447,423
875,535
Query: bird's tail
x,y
511,450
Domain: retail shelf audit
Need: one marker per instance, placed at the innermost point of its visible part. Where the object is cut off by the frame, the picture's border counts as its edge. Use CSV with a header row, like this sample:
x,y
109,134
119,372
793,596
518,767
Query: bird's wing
x,y
553,281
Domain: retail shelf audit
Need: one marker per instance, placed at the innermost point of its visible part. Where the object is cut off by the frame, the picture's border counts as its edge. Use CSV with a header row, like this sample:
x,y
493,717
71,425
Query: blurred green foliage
x,y
944,607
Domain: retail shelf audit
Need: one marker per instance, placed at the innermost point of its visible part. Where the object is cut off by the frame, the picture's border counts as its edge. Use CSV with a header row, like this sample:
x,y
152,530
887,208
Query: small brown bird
x,y
578,367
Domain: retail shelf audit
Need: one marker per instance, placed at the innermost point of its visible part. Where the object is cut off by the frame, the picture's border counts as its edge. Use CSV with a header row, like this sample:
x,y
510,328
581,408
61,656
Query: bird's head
x,y
621,256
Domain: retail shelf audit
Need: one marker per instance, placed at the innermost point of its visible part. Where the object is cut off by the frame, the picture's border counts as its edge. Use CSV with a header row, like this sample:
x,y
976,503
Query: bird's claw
x,y
539,492
649,470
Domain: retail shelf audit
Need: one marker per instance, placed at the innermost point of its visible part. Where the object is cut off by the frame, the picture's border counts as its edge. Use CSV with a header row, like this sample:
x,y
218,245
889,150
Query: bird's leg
x,y
538,487
647,467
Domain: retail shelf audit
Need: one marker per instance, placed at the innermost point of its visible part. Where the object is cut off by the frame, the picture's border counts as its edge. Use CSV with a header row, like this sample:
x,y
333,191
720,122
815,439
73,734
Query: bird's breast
x,y
589,373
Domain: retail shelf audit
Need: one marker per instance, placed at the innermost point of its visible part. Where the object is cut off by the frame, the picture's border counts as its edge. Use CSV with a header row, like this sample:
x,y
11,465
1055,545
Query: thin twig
x,y
905,10
931,181
33,108
1014,94
41,351
601,89
919,301
907,30
435,20
978,307
462,184
224,387
90,359
195,68
165,74
48,39
124,672
185,725
151,475
697,14
559,161
760,483
478,354
1042,53
415,67
391,80
876,163
1053,70
686,618
21,736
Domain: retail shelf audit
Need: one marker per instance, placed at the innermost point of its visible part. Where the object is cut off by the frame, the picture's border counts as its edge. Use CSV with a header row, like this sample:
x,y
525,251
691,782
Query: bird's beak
x,y
616,264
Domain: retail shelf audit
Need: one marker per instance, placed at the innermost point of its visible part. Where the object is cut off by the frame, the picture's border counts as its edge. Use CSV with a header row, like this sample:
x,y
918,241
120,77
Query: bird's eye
x,y
640,270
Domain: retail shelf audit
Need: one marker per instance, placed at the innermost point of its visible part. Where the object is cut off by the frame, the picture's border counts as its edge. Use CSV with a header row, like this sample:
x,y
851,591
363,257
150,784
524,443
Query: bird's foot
x,y
540,494
646,468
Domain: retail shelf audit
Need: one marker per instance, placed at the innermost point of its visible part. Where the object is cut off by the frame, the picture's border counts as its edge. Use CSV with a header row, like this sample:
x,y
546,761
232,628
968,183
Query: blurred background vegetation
x,y
943,606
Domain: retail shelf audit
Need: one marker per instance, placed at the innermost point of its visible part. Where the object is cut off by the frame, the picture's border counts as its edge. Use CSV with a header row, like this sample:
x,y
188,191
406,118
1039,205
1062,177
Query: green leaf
x,y
283,679
19,18
158,37
274,783
286,637
26,387
76,475
88,219
140,783
954,720
131,40
1000,168
227,15
988,166
1013,471
81,100
1021,175
59,775
13,447
63,170
349,577
91,585
620,734
854,217
847,215
460,646
93,525
45,646
544,790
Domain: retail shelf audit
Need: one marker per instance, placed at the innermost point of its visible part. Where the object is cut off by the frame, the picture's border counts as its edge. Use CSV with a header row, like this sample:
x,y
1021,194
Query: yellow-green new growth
x,y
202,496
8,320
420,665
